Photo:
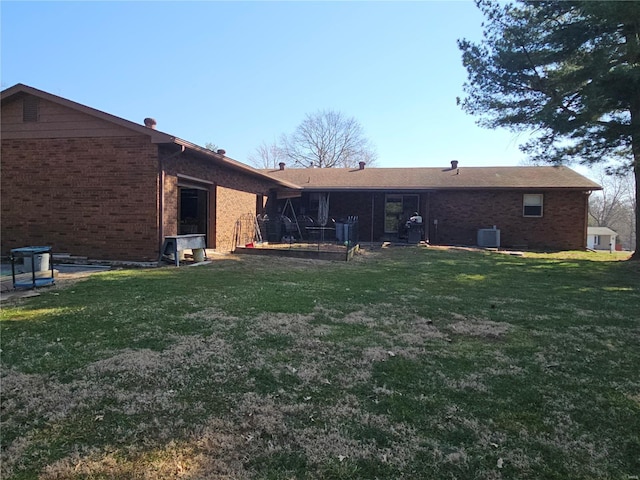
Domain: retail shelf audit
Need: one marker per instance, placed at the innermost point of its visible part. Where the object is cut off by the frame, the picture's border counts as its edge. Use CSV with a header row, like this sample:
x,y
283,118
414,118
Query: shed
x,y
601,238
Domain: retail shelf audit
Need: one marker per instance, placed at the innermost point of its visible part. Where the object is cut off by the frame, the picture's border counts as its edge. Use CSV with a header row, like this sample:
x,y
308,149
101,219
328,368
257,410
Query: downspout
x,y
425,218
585,234
428,218
161,177
372,216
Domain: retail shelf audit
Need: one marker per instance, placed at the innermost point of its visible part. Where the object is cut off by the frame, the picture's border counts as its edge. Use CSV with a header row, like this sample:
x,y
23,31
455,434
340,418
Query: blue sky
x,y
240,73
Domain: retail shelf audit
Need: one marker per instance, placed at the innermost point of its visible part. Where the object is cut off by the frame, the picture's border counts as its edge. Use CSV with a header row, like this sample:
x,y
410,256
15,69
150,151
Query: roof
x,y
156,136
600,231
470,178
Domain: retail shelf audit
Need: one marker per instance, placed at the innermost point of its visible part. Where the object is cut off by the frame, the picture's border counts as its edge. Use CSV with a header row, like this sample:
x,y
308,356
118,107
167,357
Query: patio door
x,y
397,210
193,208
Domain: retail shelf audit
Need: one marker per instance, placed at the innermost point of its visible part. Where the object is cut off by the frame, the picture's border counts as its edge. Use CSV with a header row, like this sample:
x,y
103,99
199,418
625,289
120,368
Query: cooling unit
x,y
488,237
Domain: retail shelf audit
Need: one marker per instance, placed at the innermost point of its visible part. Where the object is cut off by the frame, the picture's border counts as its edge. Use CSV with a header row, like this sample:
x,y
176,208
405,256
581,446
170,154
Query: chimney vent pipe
x,y
454,164
362,164
220,151
150,123
281,165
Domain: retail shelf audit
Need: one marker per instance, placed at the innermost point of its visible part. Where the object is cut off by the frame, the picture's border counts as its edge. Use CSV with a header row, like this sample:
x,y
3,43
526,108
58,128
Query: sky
x,y
240,73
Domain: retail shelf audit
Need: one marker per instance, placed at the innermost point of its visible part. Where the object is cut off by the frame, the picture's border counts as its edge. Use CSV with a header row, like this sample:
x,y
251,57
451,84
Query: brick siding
x,y
235,194
98,197
95,197
231,206
461,213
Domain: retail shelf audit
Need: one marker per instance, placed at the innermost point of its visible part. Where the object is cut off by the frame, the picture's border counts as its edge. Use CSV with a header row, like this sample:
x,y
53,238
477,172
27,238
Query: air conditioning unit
x,y
488,237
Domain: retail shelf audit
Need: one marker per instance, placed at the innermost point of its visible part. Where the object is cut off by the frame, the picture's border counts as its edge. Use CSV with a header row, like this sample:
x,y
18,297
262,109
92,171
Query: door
x,y
397,210
193,211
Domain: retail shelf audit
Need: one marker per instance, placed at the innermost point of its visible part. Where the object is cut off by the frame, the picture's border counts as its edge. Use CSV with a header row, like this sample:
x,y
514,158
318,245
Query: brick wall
x,y
231,205
235,194
95,197
98,197
461,214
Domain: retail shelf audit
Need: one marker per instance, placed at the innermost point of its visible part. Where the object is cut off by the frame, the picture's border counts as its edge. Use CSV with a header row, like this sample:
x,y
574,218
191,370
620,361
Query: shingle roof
x,y
600,231
435,178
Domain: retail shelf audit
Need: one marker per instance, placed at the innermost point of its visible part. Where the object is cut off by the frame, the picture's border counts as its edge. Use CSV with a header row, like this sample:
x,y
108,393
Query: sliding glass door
x,y
397,210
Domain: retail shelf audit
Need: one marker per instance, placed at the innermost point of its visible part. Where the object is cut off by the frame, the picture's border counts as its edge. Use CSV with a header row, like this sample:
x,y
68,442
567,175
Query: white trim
x,y
525,204
193,179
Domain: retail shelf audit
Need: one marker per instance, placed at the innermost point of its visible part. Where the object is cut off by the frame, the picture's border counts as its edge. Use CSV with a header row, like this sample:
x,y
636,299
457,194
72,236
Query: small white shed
x,y
601,238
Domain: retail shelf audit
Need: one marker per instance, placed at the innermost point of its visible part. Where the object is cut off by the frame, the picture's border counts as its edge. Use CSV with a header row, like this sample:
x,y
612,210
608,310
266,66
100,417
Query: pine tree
x,y
566,71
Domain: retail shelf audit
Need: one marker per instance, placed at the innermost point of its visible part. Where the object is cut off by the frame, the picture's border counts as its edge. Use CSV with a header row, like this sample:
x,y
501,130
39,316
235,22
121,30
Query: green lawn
x,y
404,363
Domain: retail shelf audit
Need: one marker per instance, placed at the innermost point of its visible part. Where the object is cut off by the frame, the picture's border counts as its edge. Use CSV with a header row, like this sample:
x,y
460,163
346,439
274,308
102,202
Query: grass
x,y
405,363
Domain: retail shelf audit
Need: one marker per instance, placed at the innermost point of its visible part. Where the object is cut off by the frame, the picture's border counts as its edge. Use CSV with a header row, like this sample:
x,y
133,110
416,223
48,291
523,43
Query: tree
x,y
267,155
613,207
567,71
328,139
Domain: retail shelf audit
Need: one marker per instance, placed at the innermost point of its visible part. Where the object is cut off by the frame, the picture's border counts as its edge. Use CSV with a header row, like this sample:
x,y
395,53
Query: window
x,y
596,239
532,205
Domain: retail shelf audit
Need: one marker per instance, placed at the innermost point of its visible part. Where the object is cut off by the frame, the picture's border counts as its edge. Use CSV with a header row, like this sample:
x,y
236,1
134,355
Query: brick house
x,y
533,207
89,183
92,184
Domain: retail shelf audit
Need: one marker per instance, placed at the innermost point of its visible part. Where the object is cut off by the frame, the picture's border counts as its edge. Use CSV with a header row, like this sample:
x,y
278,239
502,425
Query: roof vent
x,y
281,165
150,123
30,108
362,164
221,151
454,164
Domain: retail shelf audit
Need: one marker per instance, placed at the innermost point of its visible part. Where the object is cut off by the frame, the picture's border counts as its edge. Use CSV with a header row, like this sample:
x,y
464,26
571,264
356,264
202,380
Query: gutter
x,y
409,188
234,164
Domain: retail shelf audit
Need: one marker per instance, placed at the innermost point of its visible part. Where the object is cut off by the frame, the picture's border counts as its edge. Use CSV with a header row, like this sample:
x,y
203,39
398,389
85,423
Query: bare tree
x,y
614,205
328,139
267,155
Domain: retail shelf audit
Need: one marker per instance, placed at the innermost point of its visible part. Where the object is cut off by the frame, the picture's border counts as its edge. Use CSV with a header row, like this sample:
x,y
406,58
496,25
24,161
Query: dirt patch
x,y
213,451
480,328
